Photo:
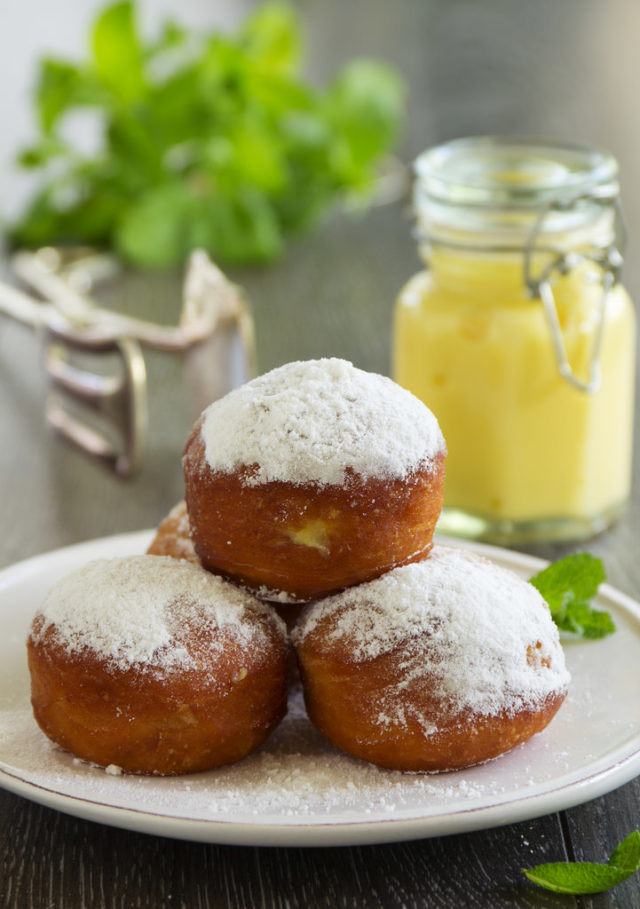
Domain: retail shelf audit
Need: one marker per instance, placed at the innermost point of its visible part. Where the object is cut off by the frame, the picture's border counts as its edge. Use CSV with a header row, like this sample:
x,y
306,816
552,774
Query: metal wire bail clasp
x,y
608,258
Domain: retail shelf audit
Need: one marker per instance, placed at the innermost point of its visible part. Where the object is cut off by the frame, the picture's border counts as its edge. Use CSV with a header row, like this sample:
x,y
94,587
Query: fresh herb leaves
x,y
207,140
590,877
568,586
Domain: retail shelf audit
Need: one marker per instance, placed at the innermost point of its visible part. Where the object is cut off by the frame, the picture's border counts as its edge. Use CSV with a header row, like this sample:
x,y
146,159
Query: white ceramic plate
x,y
298,790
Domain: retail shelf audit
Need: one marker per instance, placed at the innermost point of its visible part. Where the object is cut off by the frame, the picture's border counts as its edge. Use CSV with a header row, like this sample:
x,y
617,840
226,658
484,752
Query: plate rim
x,y
331,832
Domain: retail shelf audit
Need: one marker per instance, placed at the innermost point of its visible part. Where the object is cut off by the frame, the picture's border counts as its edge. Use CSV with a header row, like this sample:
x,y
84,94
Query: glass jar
x,y
520,338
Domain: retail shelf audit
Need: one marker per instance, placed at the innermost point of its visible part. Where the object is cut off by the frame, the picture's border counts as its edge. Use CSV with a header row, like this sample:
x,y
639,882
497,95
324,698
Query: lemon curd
x,y
535,401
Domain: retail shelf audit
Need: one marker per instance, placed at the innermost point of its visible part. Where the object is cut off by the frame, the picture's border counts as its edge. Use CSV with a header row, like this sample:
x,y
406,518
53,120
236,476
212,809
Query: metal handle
x,y
608,259
84,406
104,415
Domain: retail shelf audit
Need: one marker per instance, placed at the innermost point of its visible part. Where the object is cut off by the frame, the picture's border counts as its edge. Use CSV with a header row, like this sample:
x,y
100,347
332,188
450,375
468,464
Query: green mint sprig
x,y
580,878
205,139
568,586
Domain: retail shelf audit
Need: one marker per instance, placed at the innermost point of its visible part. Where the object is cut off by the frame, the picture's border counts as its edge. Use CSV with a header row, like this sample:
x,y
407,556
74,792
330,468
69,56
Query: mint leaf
x,y
152,232
580,574
117,54
626,856
582,619
42,152
61,87
272,36
580,878
363,105
577,878
568,586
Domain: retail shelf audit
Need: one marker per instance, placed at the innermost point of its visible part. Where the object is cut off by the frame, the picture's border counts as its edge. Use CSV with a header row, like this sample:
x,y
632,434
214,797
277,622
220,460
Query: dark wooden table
x,y
568,70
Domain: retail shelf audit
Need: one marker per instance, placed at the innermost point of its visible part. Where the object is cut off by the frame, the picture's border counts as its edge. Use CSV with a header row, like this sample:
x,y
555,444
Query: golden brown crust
x,y
419,731
173,536
159,722
341,703
308,540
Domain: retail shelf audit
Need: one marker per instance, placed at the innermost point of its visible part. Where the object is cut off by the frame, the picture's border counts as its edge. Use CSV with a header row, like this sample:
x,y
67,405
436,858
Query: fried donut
x,y
154,665
173,536
311,478
438,665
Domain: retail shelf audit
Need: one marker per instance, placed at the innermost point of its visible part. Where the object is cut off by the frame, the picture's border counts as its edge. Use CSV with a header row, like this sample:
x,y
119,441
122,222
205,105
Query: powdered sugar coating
x,y
135,611
474,632
310,421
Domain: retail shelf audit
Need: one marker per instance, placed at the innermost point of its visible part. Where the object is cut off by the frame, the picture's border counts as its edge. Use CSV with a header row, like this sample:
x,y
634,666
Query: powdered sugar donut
x,y
173,536
437,665
154,665
313,477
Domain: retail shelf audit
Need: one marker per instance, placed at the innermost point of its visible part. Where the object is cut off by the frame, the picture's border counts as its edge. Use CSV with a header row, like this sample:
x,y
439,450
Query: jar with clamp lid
x,y
520,337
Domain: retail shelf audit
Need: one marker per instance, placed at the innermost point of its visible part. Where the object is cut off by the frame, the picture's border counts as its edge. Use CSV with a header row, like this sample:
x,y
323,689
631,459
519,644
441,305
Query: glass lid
x,y
515,172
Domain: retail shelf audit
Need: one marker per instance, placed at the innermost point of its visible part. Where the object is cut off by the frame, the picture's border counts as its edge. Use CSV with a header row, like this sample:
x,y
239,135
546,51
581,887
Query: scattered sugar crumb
x,y
295,777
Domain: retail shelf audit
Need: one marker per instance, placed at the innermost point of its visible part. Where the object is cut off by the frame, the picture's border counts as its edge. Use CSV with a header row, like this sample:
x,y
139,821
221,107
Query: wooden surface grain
x,y
568,70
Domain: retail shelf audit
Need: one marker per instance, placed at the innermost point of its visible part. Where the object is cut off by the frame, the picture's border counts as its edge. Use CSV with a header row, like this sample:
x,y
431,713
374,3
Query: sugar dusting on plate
x,y
295,776
297,784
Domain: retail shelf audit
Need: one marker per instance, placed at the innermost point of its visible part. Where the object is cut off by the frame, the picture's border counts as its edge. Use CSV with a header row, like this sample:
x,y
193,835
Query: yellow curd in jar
x,y
519,337
524,445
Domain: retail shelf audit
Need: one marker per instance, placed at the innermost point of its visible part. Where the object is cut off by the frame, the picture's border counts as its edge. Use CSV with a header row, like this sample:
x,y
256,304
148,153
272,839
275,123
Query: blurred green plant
x,y
208,140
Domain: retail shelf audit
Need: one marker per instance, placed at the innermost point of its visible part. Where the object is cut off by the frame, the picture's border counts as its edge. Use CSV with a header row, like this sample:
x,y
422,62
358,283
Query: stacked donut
x,y
153,665
312,491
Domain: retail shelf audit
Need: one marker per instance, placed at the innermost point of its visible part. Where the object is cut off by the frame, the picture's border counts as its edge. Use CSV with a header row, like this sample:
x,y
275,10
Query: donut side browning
x,y
165,723
345,702
437,665
307,540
